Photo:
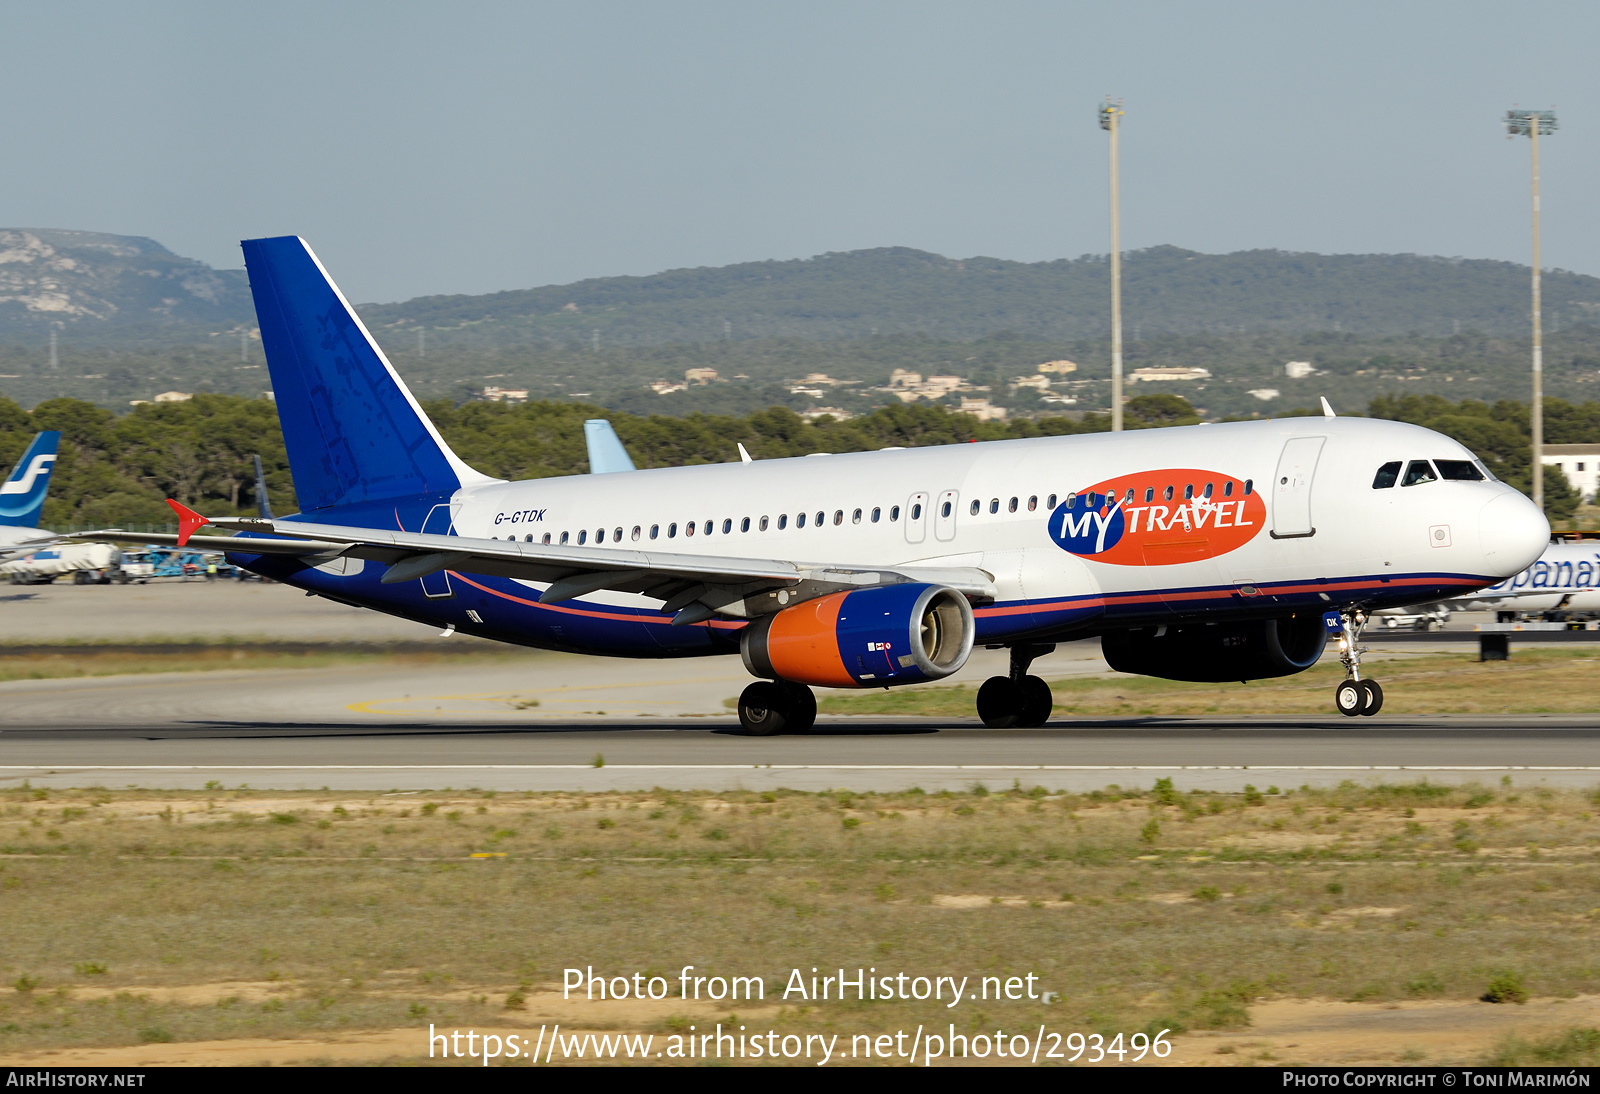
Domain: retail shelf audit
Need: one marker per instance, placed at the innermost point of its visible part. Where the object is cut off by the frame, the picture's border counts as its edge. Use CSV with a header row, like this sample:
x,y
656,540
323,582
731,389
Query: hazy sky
x,y
441,148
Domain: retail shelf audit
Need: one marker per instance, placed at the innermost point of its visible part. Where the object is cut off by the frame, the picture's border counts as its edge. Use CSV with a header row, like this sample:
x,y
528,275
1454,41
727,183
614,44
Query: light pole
x,y
1110,116
1530,124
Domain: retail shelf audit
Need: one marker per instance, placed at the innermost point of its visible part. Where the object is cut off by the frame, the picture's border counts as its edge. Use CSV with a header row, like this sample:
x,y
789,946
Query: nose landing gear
x,y
1017,700
1355,696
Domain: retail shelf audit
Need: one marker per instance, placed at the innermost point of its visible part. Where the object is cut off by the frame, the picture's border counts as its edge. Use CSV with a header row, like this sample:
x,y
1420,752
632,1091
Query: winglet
x,y
189,522
744,457
1327,410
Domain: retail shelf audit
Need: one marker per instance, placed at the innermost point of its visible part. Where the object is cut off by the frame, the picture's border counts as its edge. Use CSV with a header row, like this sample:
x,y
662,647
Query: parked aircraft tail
x,y
22,495
354,432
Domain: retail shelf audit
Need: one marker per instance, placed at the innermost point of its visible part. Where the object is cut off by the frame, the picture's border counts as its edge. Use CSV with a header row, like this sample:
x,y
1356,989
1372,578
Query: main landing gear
x,y
1355,695
1017,700
770,707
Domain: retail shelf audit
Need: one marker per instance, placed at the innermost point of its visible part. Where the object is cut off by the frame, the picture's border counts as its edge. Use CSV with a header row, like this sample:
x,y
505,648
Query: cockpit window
x,y
1387,476
1418,471
1458,470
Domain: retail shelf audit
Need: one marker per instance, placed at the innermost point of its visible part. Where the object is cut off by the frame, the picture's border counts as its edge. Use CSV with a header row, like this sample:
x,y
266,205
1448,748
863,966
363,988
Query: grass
x,y
73,659
1535,681
152,916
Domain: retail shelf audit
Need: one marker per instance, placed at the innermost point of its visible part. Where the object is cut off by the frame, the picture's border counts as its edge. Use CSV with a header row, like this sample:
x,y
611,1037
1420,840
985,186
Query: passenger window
x,y
708,527
1417,472
945,511
799,520
1461,470
1188,492
547,538
1166,495
1050,503
894,513
563,539
1033,502
820,516
1149,494
583,537
994,505
973,508
655,530
528,538
672,531
636,531
1071,499
727,525
1227,489
855,518
688,527
1011,506
744,525
916,511
763,525
1249,487
616,536
838,517
876,513
783,521
1387,476
1207,491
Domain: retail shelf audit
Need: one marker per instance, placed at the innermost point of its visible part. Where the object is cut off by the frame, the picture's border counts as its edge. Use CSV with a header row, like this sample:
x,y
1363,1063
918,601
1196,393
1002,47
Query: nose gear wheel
x,y
1354,696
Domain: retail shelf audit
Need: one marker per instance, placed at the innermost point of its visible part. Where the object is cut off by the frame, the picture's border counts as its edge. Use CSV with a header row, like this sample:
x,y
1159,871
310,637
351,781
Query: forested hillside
x,y
115,470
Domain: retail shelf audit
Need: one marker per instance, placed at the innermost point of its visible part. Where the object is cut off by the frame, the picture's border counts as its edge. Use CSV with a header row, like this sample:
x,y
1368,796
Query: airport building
x,y
1580,463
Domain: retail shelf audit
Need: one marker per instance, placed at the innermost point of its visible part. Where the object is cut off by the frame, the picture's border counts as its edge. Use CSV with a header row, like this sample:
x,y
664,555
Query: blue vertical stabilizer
x,y
22,494
354,433
605,448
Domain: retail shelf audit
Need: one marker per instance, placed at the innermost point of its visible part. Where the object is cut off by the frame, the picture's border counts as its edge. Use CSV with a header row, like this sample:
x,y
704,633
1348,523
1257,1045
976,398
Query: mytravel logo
x,y
1158,518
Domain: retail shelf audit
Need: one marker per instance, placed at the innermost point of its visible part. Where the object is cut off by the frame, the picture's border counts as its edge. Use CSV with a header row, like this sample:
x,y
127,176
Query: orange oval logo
x,y
1159,518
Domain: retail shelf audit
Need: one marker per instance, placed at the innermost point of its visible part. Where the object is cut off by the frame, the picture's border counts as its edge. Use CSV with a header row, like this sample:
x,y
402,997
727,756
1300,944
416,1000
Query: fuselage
x,y
1081,534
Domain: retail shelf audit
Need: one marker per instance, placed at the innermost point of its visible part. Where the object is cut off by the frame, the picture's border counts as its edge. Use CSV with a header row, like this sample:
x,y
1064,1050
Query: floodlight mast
x,y
1530,124
1110,116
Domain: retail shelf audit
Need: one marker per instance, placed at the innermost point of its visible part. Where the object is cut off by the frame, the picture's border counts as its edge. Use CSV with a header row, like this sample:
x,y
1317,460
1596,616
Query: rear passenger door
x,y
436,586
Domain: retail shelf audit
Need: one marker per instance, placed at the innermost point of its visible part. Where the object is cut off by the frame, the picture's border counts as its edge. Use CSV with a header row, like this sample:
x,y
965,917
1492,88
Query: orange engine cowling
x,y
865,638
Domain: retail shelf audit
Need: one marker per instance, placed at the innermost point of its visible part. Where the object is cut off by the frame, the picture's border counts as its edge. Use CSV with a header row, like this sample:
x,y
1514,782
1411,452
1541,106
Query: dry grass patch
x,y
1535,681
237,917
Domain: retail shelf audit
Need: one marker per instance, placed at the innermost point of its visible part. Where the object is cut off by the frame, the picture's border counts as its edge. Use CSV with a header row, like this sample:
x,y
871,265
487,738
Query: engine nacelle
x,y
1214,653
865,638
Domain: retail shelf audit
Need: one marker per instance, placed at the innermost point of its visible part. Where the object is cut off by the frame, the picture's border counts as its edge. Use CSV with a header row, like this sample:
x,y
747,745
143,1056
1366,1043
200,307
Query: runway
x,y
856,754
538,721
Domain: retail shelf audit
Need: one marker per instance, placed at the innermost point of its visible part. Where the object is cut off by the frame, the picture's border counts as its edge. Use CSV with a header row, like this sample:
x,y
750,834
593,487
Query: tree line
x,y
117,469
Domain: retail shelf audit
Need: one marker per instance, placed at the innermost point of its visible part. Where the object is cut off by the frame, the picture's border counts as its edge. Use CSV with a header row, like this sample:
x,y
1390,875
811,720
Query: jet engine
x,y
877,637
1217,652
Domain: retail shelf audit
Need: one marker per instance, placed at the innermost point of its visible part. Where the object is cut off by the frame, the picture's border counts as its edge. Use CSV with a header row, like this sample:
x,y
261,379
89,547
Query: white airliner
x,y
1208,553
1565,579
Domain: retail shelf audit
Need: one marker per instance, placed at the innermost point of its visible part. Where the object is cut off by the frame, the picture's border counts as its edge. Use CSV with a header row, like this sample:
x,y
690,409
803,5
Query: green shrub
x,y
1506,987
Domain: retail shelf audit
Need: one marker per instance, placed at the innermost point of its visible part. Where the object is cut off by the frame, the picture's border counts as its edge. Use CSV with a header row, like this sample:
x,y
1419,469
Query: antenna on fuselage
x,y
744,457
1327,411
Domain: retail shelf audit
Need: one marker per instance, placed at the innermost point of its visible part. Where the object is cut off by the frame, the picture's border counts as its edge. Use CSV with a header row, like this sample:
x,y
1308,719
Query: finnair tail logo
x,y
39,465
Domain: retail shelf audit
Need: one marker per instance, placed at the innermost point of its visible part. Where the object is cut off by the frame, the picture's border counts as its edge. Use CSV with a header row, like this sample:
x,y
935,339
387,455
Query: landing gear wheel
x,y
764,709
1373,696
999,703
1349,698
1037,702
802,708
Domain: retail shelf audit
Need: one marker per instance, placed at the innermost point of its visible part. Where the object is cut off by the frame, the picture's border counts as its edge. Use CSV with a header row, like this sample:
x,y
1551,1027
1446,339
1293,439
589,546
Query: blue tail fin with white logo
x,y
354,432
22,494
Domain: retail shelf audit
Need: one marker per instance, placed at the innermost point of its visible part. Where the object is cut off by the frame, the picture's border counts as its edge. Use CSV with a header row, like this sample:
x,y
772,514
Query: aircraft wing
x,y
693,586
15,551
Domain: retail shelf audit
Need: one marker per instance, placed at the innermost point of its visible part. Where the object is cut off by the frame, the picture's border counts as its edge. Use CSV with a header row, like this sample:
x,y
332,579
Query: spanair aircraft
x,y
1565,579
1206,553
22,497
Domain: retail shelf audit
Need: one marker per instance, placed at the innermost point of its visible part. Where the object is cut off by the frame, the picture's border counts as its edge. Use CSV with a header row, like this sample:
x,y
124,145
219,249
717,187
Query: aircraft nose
x,y
1513,533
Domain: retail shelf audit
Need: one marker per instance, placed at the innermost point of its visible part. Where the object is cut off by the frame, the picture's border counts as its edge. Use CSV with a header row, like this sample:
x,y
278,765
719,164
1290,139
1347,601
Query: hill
x,y
897,290
125,291
96,289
